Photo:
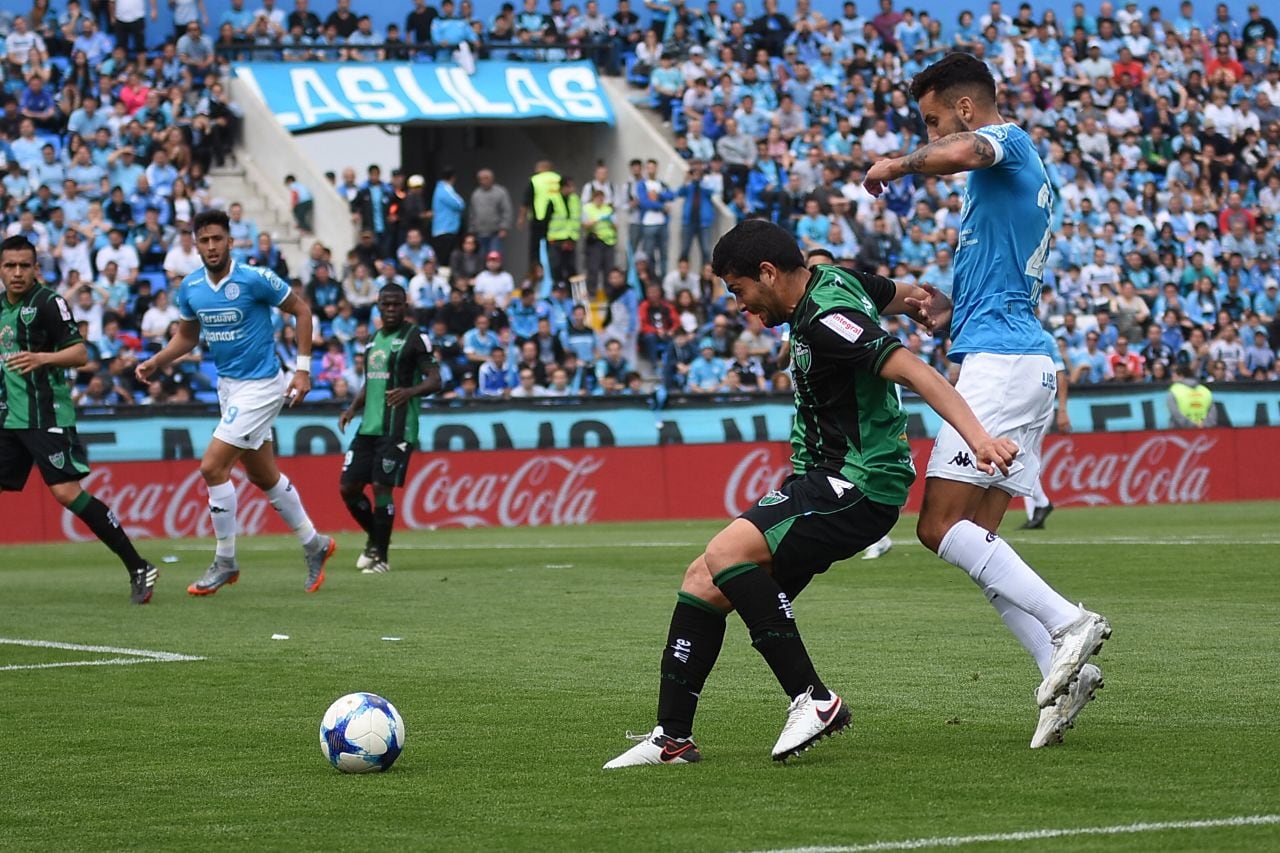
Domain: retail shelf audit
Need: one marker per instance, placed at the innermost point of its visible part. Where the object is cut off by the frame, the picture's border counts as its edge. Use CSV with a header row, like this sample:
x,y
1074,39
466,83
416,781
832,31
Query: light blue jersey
x,y
1004,240
235,318
1051,343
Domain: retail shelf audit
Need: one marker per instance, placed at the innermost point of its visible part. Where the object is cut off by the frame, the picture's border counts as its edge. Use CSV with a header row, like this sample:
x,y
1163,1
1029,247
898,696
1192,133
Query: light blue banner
x,y
625,422
310,95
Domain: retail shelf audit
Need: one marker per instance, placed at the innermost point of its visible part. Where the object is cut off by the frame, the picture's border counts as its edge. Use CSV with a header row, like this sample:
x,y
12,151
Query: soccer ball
x,y
361,733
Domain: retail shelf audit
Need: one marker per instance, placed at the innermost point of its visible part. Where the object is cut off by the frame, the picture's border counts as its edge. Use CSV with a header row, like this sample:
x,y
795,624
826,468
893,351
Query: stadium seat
x,y
206,396
319,394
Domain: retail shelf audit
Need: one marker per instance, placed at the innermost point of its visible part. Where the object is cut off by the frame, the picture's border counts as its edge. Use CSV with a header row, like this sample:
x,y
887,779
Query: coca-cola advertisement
x,y
559,487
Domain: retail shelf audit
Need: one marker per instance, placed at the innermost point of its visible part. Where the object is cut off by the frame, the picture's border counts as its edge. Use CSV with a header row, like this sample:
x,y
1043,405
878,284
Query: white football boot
x,y
656,748
1061,715
1072,648
879,549
809,721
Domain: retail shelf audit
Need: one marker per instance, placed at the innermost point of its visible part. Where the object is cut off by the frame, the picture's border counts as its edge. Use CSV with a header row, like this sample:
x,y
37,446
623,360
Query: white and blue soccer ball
x,y
361,733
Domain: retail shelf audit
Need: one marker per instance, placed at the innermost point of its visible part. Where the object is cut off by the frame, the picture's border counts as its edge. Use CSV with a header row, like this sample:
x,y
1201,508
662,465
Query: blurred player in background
x,y
1038,504
231,304
39,342
399,369
852,469
1006,376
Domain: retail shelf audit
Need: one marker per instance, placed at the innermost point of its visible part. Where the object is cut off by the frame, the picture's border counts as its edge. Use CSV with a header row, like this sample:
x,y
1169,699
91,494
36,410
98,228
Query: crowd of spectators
x,y
1160,134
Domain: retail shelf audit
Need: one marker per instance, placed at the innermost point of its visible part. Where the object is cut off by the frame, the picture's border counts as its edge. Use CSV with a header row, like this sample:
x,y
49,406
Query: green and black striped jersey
x,y
848,419
399,359
40,321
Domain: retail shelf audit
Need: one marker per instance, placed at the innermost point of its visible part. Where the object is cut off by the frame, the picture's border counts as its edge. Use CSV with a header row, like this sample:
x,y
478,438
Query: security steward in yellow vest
x,y
602,236
1190,401
564,230
540,195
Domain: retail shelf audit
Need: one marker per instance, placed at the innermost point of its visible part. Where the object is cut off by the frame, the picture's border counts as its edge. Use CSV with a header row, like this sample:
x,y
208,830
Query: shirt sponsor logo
x,y
843,326
221,317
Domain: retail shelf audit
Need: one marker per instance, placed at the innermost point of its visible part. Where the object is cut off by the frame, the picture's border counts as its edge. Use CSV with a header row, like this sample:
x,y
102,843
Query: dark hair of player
x,y
752,242
206,218
17,243
393,289
828,258
954,75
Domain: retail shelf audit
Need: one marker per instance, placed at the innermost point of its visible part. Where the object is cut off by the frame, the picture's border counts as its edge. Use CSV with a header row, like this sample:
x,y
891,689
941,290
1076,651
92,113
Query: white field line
x,y
472,546
135,655
1038,835
606,546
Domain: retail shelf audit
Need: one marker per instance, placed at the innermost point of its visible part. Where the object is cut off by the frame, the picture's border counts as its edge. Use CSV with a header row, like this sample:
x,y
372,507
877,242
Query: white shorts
x,y
249,409
1013,397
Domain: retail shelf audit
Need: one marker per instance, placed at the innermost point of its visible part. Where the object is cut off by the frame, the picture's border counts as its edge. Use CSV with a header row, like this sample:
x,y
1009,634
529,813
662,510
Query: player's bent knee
x,y
930,532
66,493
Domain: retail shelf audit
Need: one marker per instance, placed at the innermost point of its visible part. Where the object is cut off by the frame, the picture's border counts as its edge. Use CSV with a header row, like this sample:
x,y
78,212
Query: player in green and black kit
x,y
851,472
38,343
399,368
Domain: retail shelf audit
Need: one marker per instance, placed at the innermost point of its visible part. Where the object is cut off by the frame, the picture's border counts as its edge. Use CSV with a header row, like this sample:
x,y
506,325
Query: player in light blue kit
x,y
230,304
1006,374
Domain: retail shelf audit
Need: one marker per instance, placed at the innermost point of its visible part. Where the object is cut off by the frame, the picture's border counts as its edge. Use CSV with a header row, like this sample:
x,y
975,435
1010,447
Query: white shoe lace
x,y
795,711
635,738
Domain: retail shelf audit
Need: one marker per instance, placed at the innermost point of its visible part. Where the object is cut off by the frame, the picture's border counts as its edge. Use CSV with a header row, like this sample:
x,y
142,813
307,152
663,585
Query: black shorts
x,y
814,520
379,459
58,454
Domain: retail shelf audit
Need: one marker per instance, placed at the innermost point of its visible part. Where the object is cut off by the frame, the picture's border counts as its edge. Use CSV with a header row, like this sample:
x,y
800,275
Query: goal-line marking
x,y
134,655
1037,835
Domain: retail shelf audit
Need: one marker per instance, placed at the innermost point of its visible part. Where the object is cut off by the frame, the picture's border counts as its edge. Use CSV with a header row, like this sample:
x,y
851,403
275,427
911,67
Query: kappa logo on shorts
x,y
56,459
964,460
774,498
388,465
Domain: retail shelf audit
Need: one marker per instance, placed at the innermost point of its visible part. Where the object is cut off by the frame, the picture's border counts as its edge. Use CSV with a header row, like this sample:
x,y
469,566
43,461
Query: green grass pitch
x,y
524,655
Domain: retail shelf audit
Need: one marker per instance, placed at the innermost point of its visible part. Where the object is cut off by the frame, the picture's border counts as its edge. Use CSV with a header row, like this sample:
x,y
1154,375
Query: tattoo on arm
x,y
958,152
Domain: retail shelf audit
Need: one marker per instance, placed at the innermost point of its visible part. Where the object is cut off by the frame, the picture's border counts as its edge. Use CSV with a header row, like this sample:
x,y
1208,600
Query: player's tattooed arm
x,y
959,152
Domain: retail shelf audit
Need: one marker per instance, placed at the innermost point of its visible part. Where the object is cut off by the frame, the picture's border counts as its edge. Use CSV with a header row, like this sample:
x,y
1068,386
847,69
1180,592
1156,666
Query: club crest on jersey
x,y
801,355
56,459
774,498
28,314
397,344
388,465
231,291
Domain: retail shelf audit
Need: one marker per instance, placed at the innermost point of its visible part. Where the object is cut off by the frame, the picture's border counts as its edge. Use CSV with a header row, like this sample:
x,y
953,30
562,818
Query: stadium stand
x,y
1161,133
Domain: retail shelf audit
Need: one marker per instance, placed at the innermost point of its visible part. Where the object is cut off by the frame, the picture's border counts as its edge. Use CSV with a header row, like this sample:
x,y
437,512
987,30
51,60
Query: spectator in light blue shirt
x,y
447,205
496,377
706,372
125,171
238,17
940,273
86,119
480,340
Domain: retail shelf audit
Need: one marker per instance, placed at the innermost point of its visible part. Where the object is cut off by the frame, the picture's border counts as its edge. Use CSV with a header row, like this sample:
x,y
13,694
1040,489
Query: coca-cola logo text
x,y
167,509
545,489
752,478
1162,469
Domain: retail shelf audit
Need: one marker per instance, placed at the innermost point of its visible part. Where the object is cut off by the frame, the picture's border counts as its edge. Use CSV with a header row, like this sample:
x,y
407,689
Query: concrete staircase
x,y
266,205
